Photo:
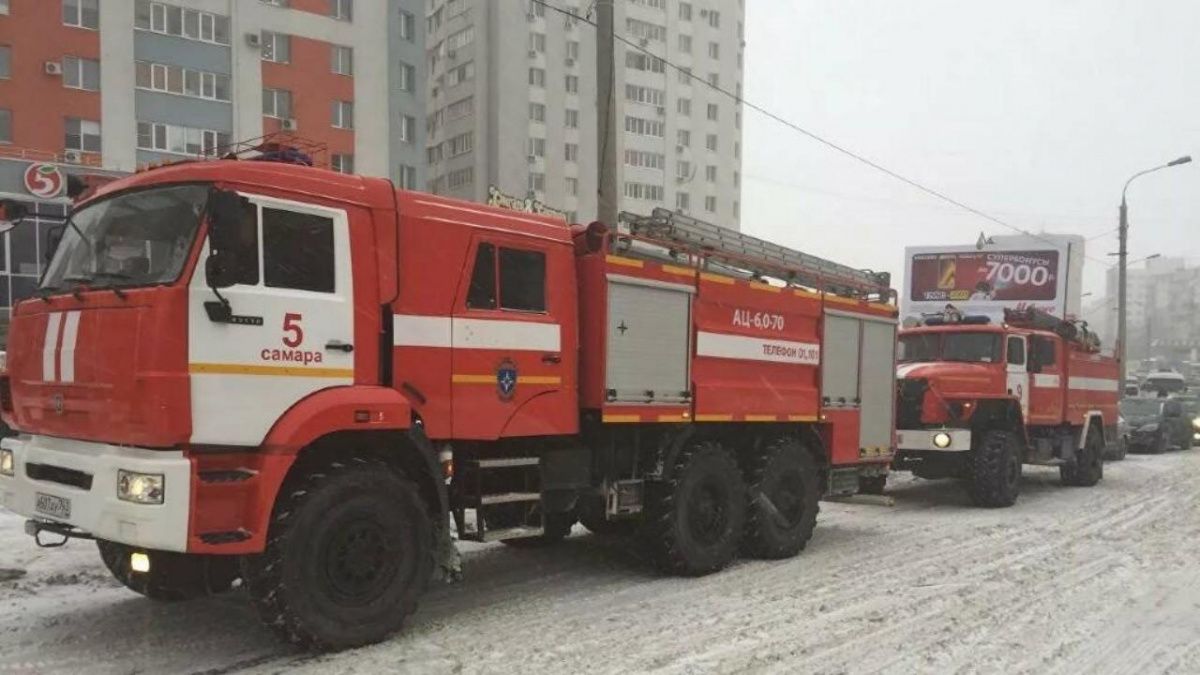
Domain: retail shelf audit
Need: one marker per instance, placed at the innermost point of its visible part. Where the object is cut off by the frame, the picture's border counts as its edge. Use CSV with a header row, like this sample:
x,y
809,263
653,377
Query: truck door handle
x,y
338,345
551,358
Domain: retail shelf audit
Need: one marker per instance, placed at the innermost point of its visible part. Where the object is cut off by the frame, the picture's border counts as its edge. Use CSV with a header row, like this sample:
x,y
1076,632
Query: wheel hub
x,y
360,560
707,513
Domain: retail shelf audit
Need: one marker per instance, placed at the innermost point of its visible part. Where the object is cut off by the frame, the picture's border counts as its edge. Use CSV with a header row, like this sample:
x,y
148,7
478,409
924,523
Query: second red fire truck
x,y
977,399
266,371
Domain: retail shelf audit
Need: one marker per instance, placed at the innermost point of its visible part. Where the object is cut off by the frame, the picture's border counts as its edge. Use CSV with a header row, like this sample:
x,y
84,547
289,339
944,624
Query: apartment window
x,y
5,126
455,7
460,178
466,36
537,77
714,50
645,191
683,138
572,152
277,103
643,30
685,11
713,112
81,73
685,43
640,61
408,177
190,24
682,201
181,81
341,60
408,129
683,170
710,173
714,79
342,10
572,84
710,142
572,50
656,4
464,107
537,9
460,74
737,209
460,144
737,120
710,204
647,95
537,42
5,62
537,147
643,127
685,76
343,114
571,119
342,163
572,186
407,77
276,47
737,149
537,112
714,18
537,182
180,140
81,13
683,106
82,135
407,26
645,159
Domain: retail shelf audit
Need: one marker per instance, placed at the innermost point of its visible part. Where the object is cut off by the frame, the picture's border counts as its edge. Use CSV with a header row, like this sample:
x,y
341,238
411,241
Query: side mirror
x,y
226,209
219,270
11,214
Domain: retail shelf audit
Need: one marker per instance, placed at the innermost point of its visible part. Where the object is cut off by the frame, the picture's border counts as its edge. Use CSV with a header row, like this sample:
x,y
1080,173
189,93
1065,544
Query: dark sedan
x,y
1156,424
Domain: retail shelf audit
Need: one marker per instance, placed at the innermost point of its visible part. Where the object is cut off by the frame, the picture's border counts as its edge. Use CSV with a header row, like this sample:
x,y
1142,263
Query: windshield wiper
x,y
89,282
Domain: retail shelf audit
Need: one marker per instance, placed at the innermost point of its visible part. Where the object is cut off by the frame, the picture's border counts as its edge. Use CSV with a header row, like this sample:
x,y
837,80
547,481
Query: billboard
x,y
988,279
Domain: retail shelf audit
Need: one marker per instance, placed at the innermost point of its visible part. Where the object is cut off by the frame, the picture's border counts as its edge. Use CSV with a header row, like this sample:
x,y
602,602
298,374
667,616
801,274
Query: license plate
x,y
50,505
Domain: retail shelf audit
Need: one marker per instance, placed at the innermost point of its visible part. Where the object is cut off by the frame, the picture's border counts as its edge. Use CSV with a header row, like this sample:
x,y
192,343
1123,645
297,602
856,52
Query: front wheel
x,y
348,554
995,478
1088,466
694,520
172,576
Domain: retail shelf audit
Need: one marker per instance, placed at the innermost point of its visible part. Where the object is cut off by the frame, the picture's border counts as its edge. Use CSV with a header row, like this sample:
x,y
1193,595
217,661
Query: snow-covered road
x,y
1070,581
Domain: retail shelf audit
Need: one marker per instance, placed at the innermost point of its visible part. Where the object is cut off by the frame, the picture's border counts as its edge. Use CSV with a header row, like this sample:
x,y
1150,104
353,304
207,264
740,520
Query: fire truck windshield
x,y
969,347
132,239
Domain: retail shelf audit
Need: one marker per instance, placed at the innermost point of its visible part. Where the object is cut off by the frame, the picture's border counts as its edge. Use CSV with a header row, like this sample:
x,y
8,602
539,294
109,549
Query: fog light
x,y
140,488
139,562
941,440
7,464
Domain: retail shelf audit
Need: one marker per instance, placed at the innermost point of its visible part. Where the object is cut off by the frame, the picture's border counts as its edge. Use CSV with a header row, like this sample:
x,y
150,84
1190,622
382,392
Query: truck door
x,y
1018,373
514,340
1047,396
291,332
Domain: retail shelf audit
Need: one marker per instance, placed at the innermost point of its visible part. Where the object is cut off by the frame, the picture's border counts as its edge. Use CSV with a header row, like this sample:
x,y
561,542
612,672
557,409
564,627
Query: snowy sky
x,y
1035,111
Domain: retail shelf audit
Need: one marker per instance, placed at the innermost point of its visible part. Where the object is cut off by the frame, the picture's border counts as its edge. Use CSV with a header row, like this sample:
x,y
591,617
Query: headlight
x,y
7,465
941,440
140,488
1196,422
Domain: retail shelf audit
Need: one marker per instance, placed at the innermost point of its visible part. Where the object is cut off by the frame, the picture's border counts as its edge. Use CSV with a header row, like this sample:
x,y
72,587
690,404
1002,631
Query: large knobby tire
x,y
1088,467
995,479
694,520
784,498
348,554
172,576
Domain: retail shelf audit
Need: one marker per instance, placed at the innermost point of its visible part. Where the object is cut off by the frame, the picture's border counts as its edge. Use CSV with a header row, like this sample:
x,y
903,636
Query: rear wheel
x,y
694,520
1088,467
172,576
349,552
995,478
783,498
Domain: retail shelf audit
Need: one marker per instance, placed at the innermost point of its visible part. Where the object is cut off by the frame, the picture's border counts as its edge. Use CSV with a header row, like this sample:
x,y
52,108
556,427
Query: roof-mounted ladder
x,y
756,257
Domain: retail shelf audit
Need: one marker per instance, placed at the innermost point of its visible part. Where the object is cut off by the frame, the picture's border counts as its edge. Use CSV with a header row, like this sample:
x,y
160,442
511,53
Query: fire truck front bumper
x,y
933,440
134,496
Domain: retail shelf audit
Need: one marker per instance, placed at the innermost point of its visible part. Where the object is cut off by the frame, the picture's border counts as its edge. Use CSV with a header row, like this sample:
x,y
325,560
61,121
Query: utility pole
x,y
606,114
1122,259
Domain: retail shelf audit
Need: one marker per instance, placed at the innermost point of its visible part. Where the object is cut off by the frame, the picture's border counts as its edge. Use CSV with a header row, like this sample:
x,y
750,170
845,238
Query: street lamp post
x,y
1122,261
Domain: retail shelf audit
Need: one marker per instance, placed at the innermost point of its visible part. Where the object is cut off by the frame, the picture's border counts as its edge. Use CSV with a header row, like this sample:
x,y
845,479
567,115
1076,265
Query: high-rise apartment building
x,y
513,104
121,83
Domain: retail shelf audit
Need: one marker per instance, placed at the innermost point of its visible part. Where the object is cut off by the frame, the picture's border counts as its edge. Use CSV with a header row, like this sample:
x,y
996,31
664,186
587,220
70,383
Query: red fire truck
x,y
267,371
976,400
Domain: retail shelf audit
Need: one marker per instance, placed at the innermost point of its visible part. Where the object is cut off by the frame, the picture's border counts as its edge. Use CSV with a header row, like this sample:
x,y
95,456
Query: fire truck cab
x,y
311,381
976,400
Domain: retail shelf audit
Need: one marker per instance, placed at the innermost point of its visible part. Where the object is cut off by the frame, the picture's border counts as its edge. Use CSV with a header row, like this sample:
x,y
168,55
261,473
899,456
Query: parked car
x,y
1156,424
1191,411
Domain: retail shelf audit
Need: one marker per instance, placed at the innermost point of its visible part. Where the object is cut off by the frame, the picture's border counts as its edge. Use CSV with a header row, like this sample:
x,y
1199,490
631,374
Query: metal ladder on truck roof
x,y
753,256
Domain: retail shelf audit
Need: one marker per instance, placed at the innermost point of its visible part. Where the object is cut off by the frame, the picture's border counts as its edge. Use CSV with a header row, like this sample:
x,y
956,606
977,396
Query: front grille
x,y
58,474
910,396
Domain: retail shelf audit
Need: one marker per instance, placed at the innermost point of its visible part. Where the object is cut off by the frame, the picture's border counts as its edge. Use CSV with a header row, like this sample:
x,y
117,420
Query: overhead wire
x,y
810,134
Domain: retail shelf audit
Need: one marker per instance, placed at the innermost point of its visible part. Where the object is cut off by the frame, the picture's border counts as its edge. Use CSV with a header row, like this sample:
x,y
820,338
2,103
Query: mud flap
x,y
447,560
